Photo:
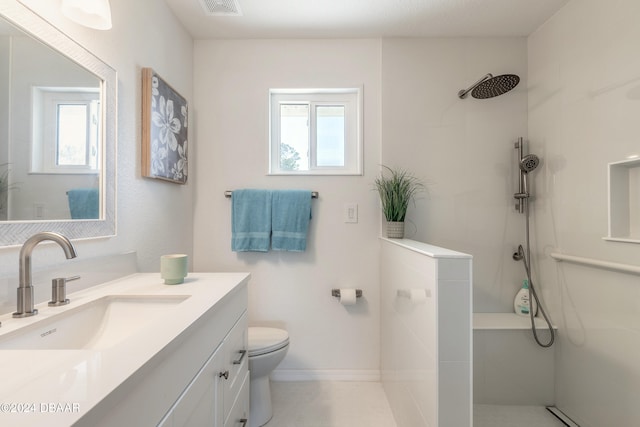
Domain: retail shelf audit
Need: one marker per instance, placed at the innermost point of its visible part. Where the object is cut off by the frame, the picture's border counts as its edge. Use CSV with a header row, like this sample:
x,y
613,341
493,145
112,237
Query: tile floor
x,y
364,404
329,404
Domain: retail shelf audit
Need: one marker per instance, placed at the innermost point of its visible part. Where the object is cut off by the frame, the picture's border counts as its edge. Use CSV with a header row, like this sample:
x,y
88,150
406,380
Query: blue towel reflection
x,y
84,203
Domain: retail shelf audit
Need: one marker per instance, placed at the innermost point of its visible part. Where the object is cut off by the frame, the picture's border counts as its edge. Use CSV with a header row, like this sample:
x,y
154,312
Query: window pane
x,y
294,137
330,135
94,134
72,135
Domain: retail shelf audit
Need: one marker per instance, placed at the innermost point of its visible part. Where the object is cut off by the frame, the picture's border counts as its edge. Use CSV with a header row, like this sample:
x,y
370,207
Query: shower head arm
x,y
464,92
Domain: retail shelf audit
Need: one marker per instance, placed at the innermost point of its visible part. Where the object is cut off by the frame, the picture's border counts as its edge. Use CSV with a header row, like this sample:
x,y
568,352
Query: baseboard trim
x,y
325,375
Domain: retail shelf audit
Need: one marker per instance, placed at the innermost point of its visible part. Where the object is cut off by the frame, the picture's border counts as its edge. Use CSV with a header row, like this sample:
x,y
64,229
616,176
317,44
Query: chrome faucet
x,y
25,288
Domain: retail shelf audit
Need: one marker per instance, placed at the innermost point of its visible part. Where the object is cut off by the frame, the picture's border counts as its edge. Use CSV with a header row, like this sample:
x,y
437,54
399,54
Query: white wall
x,y
584,87
292,290
462,148
153,217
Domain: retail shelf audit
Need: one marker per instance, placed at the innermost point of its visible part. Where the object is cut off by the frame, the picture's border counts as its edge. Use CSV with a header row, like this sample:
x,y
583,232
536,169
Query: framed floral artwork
x,y
164,130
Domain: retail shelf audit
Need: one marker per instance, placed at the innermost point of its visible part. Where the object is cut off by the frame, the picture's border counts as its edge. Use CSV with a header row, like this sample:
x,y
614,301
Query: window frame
x,y
350,98
44,143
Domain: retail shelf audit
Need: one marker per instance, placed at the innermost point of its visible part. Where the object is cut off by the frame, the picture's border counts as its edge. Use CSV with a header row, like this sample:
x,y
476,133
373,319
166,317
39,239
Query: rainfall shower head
x,y
529,162
490,86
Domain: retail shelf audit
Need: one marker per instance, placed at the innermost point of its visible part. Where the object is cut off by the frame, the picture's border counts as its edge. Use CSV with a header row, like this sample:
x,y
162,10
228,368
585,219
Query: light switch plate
x,y
351,212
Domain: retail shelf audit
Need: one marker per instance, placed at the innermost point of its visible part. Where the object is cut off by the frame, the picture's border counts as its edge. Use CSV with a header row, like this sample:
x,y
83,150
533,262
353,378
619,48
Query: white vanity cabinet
x,y
200,378
218,395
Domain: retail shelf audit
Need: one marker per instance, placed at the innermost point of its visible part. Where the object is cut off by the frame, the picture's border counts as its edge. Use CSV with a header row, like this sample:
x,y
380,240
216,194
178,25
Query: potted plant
x,y
396,189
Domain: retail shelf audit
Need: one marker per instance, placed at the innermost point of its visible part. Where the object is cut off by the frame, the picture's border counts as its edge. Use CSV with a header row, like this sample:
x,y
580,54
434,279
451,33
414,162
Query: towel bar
x,y
228,193
336,293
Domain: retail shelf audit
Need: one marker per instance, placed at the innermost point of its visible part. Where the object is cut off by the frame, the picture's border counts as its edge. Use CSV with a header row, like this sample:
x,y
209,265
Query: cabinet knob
x,y
244,422
224,375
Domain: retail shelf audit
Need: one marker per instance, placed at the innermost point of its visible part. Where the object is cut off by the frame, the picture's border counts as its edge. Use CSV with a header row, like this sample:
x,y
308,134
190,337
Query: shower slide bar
x,y
228,193
590,262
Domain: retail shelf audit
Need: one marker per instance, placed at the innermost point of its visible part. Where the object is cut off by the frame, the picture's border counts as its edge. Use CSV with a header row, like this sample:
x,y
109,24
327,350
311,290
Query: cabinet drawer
x,y
236,362
239,415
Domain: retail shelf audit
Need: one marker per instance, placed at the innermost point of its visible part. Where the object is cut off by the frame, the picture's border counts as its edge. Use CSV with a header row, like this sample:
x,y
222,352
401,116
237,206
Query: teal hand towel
x,y
83,203
290,215
250,220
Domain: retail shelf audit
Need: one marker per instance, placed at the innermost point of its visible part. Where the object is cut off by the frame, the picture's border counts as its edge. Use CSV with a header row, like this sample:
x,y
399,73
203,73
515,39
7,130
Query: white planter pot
x,y
395,230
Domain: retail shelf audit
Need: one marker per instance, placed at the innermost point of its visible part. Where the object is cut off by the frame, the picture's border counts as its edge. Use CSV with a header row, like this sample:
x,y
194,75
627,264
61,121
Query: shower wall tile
x,y
454,319
510,369
420,337
454,408
584,93
454,269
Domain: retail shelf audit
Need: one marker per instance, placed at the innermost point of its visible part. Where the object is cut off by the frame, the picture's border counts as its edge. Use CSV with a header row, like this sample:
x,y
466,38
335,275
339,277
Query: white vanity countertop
x,y
57,387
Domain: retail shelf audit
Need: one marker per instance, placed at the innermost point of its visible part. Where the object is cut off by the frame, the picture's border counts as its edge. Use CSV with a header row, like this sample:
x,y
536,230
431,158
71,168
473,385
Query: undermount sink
x,y
97,324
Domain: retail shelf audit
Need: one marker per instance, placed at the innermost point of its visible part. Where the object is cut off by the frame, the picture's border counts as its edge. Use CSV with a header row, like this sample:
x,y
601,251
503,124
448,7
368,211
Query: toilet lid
x,y
265,340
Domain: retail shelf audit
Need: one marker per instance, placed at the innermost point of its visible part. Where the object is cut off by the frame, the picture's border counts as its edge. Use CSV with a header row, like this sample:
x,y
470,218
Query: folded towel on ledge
x,y
290,215
84,203
250,220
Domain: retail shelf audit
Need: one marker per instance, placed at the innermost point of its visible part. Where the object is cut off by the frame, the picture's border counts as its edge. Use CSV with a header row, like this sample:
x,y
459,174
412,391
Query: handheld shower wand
x,y
526,164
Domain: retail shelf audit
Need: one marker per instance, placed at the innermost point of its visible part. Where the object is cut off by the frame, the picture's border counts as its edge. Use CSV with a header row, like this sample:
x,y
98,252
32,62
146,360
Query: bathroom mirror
x,y
57,132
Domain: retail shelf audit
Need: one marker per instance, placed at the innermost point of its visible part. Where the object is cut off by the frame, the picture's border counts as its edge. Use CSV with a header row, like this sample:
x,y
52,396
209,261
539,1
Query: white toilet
x,y
267,348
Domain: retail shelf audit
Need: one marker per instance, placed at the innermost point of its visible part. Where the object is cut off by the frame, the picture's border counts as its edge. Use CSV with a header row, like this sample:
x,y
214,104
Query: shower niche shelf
x,y
624,201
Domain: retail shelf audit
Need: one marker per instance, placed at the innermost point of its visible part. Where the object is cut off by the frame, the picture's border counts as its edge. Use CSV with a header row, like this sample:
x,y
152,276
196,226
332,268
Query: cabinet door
x,y
239,415
236,359
219,388
199,405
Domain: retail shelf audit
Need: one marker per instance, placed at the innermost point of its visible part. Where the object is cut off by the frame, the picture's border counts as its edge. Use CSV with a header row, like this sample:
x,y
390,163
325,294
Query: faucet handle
x,y
59,290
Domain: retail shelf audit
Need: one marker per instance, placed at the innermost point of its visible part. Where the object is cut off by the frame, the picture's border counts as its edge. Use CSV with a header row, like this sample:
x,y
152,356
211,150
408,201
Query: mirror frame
x,y
16,232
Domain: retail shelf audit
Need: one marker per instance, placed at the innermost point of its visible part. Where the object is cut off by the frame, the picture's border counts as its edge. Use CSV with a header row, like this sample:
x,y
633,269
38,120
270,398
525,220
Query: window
x,y
315,131
65,130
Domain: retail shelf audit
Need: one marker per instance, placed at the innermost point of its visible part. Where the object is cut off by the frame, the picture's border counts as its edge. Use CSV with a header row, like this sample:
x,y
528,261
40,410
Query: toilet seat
x,y
266,340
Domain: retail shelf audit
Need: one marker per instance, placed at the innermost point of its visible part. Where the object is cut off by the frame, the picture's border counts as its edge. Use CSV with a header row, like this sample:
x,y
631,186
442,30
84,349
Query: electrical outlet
x,y
351,212
38,210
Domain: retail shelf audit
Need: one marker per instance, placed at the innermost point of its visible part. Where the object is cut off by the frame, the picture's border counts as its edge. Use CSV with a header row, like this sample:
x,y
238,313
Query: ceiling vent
x,y
221,7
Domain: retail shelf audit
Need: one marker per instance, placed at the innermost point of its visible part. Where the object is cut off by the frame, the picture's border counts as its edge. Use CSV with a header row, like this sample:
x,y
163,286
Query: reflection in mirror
x,y
51,160
57,132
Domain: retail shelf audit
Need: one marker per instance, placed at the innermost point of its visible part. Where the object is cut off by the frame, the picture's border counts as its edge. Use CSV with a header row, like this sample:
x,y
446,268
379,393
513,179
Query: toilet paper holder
x,y
336,293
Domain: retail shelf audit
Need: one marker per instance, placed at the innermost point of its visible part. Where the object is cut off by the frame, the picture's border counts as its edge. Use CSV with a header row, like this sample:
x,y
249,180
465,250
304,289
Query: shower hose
x,y
526,259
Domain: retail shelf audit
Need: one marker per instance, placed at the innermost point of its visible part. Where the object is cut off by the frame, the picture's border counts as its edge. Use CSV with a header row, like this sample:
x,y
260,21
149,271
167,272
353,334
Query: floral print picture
x,y
164,130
